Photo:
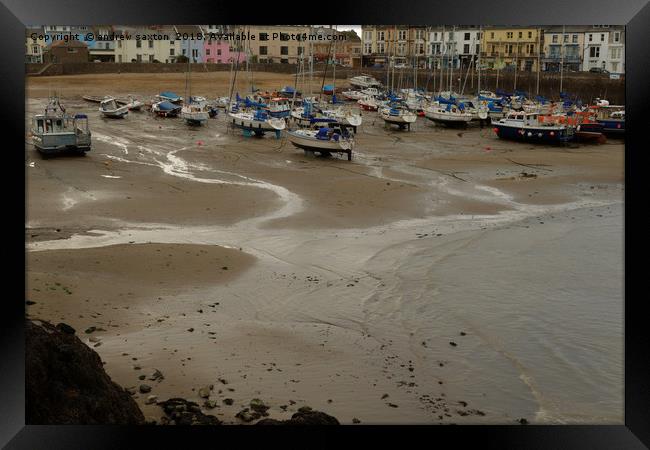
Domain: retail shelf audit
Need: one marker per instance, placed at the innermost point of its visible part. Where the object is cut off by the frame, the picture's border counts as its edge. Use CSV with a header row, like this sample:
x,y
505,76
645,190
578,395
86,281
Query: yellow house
x,y
276,43
511,47
147,45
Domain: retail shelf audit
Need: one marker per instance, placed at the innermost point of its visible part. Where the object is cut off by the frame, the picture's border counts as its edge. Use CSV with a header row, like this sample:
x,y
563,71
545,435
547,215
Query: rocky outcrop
x,y
66,382
304,416
183,412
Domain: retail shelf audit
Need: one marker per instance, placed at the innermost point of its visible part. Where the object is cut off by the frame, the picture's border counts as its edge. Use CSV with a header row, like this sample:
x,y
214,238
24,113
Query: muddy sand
x,y
441,276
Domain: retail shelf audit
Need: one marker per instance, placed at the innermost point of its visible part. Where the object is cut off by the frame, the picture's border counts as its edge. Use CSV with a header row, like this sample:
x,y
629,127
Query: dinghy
x,y
109,108
170,97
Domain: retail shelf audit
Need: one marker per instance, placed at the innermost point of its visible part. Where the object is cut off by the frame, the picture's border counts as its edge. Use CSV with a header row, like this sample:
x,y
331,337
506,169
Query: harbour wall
x,y
586,86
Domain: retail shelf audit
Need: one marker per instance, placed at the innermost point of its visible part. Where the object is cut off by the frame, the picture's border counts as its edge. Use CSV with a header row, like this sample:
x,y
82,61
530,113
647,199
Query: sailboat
x,y
195,111
109,108
254,119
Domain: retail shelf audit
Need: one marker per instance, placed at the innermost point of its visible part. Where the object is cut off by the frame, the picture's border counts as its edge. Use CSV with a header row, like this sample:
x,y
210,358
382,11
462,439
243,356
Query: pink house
x,y
219,52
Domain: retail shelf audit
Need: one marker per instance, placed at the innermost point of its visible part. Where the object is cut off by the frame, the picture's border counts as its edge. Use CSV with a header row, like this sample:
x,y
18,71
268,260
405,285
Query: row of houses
x,y
575,48
168,44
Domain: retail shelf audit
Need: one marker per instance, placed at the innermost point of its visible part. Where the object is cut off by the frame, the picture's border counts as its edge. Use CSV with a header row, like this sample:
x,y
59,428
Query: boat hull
x,y
449,120
313,144
613,126
548,135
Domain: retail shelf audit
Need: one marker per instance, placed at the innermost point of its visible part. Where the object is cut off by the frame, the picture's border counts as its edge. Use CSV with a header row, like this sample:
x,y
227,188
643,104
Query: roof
x,y
71,44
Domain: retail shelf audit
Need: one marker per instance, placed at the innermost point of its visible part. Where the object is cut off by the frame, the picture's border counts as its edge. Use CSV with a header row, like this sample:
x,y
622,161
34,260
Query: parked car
x,y
598,70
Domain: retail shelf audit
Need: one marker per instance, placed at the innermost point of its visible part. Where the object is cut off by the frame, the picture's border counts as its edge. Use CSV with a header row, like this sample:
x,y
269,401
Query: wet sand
x,y
442,276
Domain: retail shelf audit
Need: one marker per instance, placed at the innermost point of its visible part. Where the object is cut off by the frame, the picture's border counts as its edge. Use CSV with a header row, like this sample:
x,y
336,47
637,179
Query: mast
x,y
443,51
480,34
562,58
539,51
334,60
514,88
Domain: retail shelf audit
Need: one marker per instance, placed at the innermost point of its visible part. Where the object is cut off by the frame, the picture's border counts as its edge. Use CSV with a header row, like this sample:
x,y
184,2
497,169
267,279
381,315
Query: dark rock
x,y
452,343
228,401
305,417
258,406
523,421
65,328
145,388
66,383
183,412
355,420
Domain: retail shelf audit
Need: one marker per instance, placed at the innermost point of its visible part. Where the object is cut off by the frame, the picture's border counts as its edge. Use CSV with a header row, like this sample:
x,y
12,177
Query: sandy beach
x,y
441,276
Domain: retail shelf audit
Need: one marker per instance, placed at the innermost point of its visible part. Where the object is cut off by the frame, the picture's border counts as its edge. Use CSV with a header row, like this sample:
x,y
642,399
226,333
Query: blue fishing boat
x,y
522,126
612,118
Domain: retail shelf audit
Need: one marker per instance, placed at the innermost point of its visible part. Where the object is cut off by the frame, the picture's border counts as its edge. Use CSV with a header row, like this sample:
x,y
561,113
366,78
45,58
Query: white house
x,y
604,48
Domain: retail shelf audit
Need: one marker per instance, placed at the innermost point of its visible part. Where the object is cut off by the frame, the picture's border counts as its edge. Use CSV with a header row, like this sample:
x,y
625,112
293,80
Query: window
x,y
467,37
401,35
602,38
380,47
184,51
617,37
521,35
150,58
35,49
509,48
119,58
614,66
565,37
301,50
380,35
367,48
435,36
509,35
594,52
591,37
284,50
466,48
574,39
171,52
138,58
138,43
284,61
264,50
171,42
530,35
218,52
555,38
195,53
451,35
492,35
207,52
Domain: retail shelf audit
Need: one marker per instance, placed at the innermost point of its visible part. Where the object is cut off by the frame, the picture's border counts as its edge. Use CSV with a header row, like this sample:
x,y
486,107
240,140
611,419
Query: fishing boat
x,y
325,140
165,109
612,118
55,131
364,81
170,97
448,114
397,115
109,108
523,126
278,107
257,122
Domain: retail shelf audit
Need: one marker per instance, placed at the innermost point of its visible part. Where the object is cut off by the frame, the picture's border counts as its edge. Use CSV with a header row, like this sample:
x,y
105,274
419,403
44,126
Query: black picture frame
x,y
635,14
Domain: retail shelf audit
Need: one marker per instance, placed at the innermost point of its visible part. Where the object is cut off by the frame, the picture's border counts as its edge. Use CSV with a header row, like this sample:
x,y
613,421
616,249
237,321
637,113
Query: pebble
x,y
145,388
